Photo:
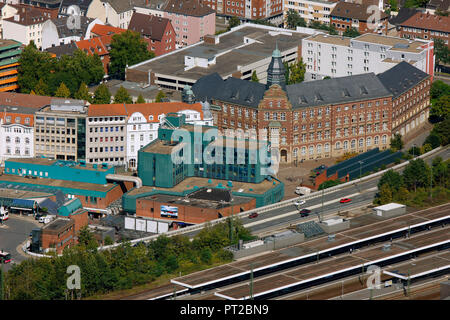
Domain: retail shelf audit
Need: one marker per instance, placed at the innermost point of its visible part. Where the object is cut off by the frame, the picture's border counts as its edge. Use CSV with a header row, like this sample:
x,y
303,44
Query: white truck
x,y
4,214
302,191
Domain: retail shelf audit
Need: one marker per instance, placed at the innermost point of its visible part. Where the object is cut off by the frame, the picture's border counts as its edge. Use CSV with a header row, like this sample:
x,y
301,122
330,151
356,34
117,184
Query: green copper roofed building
x,y
10,51
185,159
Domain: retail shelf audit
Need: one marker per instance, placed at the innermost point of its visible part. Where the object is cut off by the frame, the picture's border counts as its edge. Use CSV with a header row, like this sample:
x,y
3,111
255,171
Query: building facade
x,y
10,51
60,130
311,10
335,56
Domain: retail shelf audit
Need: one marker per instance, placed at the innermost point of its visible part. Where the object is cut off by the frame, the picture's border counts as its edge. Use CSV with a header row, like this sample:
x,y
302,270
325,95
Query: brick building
x,y
247,9
157,32
426,26
314,119
202,205
58,235
346,15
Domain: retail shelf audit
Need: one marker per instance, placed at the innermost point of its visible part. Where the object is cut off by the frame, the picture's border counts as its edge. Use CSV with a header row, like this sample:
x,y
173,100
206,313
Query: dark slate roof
x,y
232,90
148,25
401,78
336,90
125,5
82,4
64,31
212,194
68,49
403,15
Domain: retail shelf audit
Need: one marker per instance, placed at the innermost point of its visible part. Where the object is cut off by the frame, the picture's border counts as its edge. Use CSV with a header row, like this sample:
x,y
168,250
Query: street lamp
x,y
360,168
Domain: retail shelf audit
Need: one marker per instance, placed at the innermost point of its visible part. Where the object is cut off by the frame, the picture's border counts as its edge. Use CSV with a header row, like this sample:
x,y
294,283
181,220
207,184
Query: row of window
x,y
17,140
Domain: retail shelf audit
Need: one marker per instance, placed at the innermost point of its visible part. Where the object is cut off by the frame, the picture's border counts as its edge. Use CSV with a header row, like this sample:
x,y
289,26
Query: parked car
x,y
305,212
345,200
253,215
5,257
302,191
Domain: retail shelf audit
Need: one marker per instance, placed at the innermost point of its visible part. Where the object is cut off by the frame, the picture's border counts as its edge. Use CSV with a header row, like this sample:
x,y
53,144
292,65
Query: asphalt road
x,y
16,232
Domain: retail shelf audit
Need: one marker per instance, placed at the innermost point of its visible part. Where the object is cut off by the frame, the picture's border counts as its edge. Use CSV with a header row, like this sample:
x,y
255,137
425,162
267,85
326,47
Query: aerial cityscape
x,y
218,150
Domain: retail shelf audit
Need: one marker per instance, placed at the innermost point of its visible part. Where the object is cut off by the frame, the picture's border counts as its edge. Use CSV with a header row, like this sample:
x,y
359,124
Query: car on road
x,y
305,212
299,202
345,200
253,215
5,257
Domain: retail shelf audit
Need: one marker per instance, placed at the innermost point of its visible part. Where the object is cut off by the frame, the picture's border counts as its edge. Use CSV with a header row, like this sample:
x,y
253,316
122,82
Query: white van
x,y
45,219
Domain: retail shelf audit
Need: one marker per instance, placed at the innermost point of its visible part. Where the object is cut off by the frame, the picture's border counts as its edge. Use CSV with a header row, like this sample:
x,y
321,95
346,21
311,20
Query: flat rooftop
x,y
5,178
191,182
22,194
61,163
58,224
334,265
230,52
321,244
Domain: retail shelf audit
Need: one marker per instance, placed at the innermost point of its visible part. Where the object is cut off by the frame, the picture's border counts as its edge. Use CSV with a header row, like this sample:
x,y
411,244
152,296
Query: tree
x,y
440,108
83,93
127,49
102,95
33,66
140,99
41,88
351,32
2,283
433,140
394,5
63,91
438,89
294,20
441,51
416,174
385,195
442,130
108,241
86,238
329,184
391,178
161,95
122,96
295,73
254,77
233,22
396,142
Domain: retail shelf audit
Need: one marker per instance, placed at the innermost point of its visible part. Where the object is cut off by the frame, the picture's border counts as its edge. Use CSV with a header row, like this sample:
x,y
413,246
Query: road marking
x,y
297,211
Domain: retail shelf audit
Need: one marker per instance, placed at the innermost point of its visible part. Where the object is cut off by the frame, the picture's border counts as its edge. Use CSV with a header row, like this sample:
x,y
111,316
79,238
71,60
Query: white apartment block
x,y
24,28
337,56
311,10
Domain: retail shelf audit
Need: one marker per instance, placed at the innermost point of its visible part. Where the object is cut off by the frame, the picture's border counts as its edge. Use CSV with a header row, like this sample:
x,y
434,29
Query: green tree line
x,y
122,267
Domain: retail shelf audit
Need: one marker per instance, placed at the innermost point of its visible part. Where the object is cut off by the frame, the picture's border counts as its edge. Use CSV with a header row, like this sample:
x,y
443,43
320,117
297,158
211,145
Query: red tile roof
x,y
103,30
146,109
94,45
24,100
428,21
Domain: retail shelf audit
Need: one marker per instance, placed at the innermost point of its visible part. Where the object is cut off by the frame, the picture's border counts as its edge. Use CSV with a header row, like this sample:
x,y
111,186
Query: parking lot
x,y
13,233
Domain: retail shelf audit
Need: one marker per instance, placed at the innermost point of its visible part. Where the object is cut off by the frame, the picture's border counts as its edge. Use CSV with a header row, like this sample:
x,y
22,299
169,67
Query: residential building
x,y
311,10
237,53
60,130
99,46
119,12
437,6
271,10
347,15
7,11
55,32
10,51
144,120
26,26
157,32
317,119
191,19
426,26
88,8
336,56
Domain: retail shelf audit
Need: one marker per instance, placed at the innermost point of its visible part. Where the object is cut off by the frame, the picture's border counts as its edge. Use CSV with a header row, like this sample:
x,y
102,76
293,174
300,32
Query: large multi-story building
x,y
336,56
191,19
10,51
60,130
316,119
311,10
426,26
237,53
